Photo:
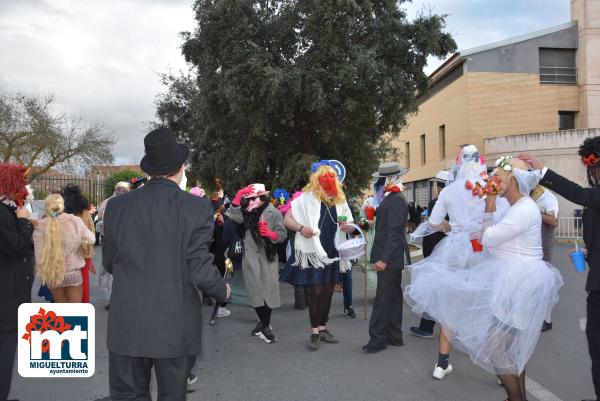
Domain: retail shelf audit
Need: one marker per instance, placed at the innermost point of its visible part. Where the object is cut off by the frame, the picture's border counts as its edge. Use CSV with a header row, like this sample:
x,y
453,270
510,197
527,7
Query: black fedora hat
x,y
390,169
163,154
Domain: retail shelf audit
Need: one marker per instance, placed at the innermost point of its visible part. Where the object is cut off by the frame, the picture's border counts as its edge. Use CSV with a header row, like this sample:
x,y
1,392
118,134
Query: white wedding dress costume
x,y
492,304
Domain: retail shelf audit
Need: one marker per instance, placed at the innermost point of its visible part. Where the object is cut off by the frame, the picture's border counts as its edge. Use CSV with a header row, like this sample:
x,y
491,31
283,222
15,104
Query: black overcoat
x,y
156,245
16,265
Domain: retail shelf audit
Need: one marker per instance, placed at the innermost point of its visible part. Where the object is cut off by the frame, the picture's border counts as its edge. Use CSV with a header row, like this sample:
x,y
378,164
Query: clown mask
x,y
253,203
328,182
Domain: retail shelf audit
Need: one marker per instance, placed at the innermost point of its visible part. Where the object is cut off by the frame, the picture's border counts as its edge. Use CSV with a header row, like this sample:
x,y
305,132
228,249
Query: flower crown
x,y
503,163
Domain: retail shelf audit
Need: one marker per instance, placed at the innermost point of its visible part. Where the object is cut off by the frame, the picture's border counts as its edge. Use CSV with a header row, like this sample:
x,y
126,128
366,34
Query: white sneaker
x,y
223,312
440,373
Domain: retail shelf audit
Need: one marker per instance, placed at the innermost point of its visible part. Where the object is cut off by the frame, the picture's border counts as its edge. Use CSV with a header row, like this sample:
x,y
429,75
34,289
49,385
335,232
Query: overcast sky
x,y
101,58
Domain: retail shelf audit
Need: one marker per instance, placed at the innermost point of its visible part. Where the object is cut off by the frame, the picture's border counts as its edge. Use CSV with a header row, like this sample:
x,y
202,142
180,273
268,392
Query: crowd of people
x,y
486,276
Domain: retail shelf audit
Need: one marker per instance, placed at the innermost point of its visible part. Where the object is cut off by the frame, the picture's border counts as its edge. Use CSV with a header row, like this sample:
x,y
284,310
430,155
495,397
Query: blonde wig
x,y
315,186
51,268
122,184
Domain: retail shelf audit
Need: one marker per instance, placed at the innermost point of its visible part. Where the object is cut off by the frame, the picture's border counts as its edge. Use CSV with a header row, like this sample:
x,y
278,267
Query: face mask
x,y
328,183
183,182
253,204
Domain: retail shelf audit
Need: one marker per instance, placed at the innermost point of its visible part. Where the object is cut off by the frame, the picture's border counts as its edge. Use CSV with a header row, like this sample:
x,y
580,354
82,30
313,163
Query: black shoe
x,y
256,331
417,331
396,343
266,334
546,326
349,311
299,306
371,348
107,307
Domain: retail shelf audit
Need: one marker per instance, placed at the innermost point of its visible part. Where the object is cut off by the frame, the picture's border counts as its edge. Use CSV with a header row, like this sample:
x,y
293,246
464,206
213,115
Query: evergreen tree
x,y
277,85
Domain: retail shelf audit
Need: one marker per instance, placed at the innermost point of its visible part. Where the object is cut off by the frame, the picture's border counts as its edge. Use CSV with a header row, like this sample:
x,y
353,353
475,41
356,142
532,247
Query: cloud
x,y
102,59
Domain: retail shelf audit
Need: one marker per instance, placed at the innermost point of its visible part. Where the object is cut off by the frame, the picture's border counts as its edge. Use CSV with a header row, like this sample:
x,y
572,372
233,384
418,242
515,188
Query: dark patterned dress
x,y
296,275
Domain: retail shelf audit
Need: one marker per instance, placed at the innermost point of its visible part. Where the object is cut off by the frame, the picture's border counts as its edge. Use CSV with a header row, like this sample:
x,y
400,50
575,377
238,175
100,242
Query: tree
x,y
279,84
33,134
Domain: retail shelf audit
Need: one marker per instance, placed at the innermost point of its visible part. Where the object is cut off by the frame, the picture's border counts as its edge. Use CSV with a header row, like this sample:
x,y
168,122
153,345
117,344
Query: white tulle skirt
x,y
491,308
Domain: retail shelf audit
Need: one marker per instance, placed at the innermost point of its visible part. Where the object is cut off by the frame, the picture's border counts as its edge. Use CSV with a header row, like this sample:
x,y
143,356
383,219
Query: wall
x,y
449,108
523,56
587,15
481,105
506,104
557,150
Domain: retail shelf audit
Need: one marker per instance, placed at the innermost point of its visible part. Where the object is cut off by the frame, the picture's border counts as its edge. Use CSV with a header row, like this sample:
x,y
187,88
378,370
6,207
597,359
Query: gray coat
x,y
156,246
260,275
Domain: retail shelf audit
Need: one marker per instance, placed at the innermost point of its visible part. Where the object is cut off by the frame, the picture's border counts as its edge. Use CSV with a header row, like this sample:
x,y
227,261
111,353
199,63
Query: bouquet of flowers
x,y
485,186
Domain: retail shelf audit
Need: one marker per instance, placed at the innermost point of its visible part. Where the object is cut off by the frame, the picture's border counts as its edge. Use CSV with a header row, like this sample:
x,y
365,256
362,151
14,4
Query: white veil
x,y
469,165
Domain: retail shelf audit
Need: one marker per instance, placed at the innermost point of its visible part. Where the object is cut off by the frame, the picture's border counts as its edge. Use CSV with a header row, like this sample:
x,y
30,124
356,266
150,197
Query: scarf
x,y
251,220
309,252
390,189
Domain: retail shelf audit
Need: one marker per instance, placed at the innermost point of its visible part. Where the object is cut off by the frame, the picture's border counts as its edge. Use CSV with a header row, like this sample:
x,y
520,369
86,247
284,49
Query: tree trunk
x,y
307,141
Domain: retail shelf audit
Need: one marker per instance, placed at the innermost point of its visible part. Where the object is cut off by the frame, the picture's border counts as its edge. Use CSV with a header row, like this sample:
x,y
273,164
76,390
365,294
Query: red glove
x,y
265,231
241,193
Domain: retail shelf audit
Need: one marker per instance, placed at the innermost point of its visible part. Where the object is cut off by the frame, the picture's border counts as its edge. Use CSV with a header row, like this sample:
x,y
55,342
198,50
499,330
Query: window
x,y
557,66
423,155
407,154
442,138
566,120
422,193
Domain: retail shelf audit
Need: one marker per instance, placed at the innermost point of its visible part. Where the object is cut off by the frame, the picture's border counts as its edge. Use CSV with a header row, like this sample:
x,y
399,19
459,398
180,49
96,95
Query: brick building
x,y
545,81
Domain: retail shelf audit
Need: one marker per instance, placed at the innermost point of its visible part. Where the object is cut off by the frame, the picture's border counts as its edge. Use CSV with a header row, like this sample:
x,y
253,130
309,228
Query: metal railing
x,y
93,188
569,228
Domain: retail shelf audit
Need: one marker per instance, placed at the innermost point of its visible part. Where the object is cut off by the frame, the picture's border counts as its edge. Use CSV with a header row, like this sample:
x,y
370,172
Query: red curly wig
x,y
13,178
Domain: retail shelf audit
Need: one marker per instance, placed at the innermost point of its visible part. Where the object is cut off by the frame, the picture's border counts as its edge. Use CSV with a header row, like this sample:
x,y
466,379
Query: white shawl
x,y
308,252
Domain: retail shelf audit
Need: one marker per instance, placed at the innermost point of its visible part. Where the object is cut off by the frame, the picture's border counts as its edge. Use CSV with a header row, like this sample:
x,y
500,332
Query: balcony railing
x,y
569,228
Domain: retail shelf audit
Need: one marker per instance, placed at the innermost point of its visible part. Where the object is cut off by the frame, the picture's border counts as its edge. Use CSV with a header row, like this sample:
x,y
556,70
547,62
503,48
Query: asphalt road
x,y
236,366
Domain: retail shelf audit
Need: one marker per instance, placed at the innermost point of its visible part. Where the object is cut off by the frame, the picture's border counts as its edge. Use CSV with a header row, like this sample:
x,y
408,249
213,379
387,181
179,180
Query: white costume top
x,y
517,235
464,210
547,203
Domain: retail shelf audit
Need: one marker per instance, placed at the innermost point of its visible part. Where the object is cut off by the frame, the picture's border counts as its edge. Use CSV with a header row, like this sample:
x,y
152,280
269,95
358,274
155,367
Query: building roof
x,y
460,56
109,170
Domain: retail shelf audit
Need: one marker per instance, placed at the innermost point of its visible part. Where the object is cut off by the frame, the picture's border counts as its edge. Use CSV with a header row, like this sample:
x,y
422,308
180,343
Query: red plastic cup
x,y
370,212
477,247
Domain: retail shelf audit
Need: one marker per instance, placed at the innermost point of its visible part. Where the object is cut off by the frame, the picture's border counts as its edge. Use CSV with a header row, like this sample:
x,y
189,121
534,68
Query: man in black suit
x,y
589,198
387,256
156,246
